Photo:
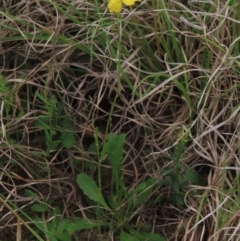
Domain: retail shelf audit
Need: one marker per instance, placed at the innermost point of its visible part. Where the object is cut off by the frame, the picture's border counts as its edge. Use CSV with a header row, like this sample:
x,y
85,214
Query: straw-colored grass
x,y
164,73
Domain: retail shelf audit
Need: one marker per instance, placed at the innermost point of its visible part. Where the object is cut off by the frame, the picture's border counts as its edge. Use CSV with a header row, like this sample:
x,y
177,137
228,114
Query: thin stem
x,y
20,219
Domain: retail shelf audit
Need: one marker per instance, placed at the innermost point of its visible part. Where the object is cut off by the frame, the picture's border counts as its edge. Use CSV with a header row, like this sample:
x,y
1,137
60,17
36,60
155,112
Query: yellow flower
x,y
115,6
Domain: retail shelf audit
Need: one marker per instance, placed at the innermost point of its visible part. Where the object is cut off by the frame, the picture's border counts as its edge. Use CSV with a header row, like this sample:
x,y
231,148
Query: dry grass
x,y
43,50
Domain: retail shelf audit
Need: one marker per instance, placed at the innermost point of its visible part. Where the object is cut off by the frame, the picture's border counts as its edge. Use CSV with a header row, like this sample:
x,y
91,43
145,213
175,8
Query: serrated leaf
x,y
39,207
90,189
80,224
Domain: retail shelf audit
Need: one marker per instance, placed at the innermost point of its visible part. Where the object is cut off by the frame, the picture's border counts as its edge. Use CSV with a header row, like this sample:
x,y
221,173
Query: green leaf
x,y
141,236
96,138
90,189
92,148
80,224
123,189
61,233
115,152
166,171
51,235
41,97
142,192
127,237
68,133
64,236
52,106
39,207
53,145
115,149
167,181
76,162
62,226
56,214
176,187
114,200
42,122
194,178
152,237
67,139
103,152
20,114
178,198
30,193
185,93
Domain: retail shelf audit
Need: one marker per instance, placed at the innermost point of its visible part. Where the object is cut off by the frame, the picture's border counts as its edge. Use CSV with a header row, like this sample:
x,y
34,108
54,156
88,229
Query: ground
x,y
119,126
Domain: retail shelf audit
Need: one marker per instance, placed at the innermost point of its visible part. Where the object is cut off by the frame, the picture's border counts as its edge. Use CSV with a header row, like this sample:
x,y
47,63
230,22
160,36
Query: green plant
x,y
53,226
119,204
179,177
58,229
58,128
7,97
10,112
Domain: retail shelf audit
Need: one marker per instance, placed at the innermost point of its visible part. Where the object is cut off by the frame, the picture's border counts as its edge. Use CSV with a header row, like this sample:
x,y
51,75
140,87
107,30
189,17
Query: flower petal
x,y
129,2
115,6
